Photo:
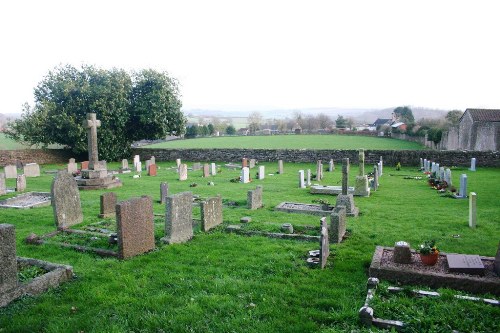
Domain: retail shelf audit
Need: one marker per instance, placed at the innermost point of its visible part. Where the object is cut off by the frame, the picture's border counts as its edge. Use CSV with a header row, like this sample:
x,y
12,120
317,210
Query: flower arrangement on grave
x,y
429,253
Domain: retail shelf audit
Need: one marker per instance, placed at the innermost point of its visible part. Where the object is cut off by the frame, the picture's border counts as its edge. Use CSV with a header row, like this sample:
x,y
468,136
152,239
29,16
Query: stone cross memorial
x,y
362,187
91,123
345,175
345,199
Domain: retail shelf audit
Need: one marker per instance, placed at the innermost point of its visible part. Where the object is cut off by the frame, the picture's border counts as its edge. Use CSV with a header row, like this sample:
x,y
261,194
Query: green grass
x,y
293,142
9,144
220,282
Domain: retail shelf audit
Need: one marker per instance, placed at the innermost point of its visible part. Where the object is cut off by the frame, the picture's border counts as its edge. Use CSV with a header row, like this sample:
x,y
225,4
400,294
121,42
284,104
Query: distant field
x,y
9,144
293,142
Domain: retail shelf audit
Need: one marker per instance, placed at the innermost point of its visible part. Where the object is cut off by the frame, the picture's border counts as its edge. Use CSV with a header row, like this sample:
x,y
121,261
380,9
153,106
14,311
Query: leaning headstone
x,y
319,170
472,210
72,166
8,258
21,183
262,172
402,253
206,170
65,200
252,163
179,218
308,177
213,169
134,220
337,224
32,170
324,243
211,213
473,164
497,261
301,179
163,192
331,166
245,175
254,198
152,170
108,205
280,167
362,187
10,171
3,186
183,172
462,192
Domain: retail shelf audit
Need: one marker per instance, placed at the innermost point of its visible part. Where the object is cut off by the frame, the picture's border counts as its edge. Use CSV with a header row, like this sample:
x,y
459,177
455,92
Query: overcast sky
x,y
247,55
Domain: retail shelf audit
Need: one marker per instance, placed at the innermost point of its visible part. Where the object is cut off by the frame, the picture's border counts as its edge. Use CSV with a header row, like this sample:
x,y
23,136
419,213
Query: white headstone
x,y
473,164
262,172
381,166
245,175
447,177
213,169
137,159
138,166
331,166
308,177
301,179
178,162
472,210
424,167
183,172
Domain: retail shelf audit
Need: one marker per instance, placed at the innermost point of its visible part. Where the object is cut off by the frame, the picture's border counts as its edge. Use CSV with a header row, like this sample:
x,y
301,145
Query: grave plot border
x,y
235,228
4,203
410,276
321,212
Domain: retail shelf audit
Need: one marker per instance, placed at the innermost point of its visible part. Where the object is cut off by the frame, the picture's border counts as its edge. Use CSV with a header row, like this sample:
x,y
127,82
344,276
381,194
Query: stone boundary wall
x,y
40,156
390,157
419,139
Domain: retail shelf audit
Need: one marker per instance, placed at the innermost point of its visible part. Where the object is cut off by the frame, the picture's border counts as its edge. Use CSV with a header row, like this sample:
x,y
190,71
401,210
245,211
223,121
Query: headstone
x,y
72,166
244,162
375,178
331,166
179,218
138,166
381,166
462,192
91,123
301,179
447,177
361,155
206,170
280,167
425,165
433,167
152,170
497,261
213,169
252,163
32,170
153,160
287,228
65,201
245,175
125,164
211,213
163,192
345,175
10,171
379,169
337,224
85,165
254,198
178,162
183,172
319,170
472,210
148,164
324,243
108,205
8,258
421,164
134,220
3,186
441,173
473,164
196,166
362,187
402,253
21,183
262,172
308,177
465,263
137,159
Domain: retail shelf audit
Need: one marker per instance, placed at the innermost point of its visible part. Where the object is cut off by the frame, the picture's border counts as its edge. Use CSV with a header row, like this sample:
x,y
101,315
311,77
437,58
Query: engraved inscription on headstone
x,y
465,263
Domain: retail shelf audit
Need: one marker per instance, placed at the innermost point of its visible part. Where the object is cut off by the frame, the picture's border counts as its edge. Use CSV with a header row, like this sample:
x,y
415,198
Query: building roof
x,y
489,115
381,121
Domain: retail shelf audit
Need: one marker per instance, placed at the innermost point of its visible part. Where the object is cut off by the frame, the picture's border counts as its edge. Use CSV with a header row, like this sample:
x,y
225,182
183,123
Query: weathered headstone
x,y
108,205
3,186
262,172
179,218
134,220
138,166
345,175
301,179
21,183
147,165
331,166
206,170
32,170
308,177
10,171
280,167
465,263
337,224
8,258
254,198
85,165
65,200
402,253
252,163
211,213
183,172
196,166
213,169
244,162
324,243
153,160
345,199
72,166
472,210
163,192
462,192
152,170
473,164
245,175
319,170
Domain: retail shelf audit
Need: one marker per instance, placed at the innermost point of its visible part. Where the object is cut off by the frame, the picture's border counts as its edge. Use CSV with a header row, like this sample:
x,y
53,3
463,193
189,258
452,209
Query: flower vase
x,y
429,259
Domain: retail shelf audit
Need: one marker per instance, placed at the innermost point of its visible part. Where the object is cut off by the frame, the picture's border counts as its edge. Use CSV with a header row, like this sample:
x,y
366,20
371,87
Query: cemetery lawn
x,y
220,282
293,142
9,144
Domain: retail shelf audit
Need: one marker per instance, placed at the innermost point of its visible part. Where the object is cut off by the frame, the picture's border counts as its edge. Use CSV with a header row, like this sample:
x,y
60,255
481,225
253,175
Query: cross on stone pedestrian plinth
x,y
345,175
91,123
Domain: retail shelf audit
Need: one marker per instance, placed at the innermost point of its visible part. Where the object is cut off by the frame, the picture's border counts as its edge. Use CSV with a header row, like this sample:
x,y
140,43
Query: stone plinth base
x,y
98,183
347,200
362,189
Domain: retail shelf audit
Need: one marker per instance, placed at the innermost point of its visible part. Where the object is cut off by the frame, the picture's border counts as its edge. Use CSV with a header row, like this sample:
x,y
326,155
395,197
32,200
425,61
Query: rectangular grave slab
x,y
332,190
27,200
179,218
465,263
302,208
211,213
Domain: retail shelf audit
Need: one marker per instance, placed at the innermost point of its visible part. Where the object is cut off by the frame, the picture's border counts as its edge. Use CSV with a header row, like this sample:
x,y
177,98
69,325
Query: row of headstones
x,y
20,183
29,170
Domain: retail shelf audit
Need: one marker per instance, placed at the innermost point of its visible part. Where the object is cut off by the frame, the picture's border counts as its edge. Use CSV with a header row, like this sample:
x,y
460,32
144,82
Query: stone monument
x,y
362,187
346,199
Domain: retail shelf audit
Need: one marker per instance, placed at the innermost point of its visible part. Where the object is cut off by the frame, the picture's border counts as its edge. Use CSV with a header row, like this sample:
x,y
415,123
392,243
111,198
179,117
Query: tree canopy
x,y
144,105
404,114
453,117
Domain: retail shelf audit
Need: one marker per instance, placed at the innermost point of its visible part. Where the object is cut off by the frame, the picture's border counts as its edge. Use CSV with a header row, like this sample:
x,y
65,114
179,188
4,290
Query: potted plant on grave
x,y
429,252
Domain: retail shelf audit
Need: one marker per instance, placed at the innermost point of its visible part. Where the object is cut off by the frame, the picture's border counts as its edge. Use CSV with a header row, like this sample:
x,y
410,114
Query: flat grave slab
x,y
332,190
27,200
465,263
302,208
232,166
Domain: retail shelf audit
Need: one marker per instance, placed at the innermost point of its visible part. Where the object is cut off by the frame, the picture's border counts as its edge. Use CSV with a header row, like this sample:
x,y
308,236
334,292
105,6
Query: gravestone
x,y
280,167
245,175
183,172
153,160
473,164
3,186
308,177
137,159
337,224
346,199
402,253
301,179
213,169
72,166
125,165
497,261
329,189
10,171
262,172
254,198
8,258
425,165
134,221
138,166
179,218
147,165
447,177
472,210
211,213
65,201
465,263
85,165
178,162
379,169
152,170
319,170
244,162
252,163
375,178
331,166
206,170
441,173
21,183
421,163
91,123
462,192
163,192
108,205
381,166
32,170
324,243
362,187
196,166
